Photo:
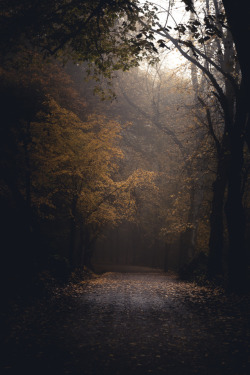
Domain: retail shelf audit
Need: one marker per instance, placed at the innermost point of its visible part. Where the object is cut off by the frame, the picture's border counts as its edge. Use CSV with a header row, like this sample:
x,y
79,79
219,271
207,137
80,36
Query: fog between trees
x,y
155,176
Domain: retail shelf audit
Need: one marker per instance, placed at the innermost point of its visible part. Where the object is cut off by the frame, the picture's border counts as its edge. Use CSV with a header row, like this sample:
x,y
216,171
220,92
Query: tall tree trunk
x,y
72,235
188,237
31,240
235,213
81,250
216,239
236,222
86,248
166,257
26,143
238,15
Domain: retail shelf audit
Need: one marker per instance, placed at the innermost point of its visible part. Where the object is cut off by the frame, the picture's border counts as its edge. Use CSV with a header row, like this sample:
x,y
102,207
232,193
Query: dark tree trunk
x,y
31,242
81,250
86,246
216,239
235,213
72,241
186,247
87,258
188,238
72,235
26,143
166,258
238,15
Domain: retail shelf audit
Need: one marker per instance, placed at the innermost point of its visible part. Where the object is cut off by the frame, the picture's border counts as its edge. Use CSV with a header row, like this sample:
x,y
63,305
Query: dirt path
x,y
135,324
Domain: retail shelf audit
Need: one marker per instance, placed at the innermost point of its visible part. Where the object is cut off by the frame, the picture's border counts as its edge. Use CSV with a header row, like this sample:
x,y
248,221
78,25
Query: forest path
x,y
133,324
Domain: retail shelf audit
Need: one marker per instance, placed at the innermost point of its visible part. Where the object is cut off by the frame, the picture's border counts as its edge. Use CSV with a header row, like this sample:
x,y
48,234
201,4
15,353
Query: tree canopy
x,y
101,32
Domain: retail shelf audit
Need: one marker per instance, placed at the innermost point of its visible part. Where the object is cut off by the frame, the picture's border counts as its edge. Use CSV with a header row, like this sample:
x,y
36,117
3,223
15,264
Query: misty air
x,y
125,205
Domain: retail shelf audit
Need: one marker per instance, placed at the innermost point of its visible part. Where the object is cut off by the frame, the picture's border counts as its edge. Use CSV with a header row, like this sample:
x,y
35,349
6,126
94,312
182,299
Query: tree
x,y
66,165
100,32
238,19
208,36
85,161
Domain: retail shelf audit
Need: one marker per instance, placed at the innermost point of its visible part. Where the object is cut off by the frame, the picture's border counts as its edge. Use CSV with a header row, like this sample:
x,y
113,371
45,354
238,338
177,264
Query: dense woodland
x,y
108,155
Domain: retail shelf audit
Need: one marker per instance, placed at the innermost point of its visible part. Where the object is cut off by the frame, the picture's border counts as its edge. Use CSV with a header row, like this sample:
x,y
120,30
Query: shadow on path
x,y
132,323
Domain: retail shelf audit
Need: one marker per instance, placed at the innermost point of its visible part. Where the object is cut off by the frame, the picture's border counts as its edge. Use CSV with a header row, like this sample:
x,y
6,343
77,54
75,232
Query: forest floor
x,y
130,324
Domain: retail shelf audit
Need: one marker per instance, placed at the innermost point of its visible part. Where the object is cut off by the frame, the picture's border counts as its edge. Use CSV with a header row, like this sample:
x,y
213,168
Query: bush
x,y
196,269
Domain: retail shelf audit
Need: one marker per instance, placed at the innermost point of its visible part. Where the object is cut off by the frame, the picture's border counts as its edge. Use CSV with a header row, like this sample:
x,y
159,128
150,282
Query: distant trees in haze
x,y
160,106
